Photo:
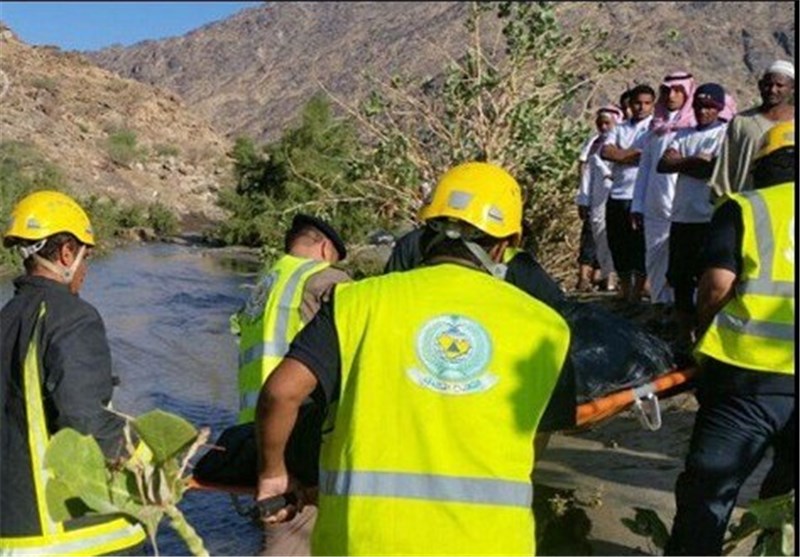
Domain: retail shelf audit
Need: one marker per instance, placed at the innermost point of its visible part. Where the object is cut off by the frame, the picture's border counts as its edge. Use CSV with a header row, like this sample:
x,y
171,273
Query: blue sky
x,y
94,25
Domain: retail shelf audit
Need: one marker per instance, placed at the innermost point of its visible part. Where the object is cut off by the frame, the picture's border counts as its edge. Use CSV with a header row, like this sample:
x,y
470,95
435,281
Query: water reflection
x,y
166,310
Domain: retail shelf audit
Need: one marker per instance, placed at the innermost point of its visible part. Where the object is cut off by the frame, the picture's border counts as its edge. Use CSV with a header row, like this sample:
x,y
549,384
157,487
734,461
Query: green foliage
x,y
768,522
309,169
131,216
164,150
145,485
23,169
162,220
518,106
122,147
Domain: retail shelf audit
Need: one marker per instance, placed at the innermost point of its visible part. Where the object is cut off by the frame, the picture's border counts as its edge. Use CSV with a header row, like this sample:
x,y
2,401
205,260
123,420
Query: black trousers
x,y
731,435
686,243
625,243
587,252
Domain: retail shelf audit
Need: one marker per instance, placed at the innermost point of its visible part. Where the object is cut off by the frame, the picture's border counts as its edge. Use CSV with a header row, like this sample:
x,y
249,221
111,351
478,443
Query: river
x,y
166,310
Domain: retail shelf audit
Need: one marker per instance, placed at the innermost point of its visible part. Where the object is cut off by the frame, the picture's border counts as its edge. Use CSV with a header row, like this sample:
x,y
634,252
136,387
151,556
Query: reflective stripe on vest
x,y
440,396
426,486
277,330
756,328
114,535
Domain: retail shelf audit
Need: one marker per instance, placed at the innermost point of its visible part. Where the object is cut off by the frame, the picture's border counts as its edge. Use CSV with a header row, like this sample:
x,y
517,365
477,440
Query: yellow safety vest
x,y
445,374
268,323
58,538
756,328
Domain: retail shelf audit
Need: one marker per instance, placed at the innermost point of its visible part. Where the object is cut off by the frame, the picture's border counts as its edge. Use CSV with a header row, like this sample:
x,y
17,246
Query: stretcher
x,y
254,510
644,399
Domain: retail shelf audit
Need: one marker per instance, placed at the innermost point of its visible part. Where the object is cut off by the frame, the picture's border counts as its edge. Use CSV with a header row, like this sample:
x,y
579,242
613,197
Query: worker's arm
x,y
621,156
78,379
716,288
721,262
700,166
276,413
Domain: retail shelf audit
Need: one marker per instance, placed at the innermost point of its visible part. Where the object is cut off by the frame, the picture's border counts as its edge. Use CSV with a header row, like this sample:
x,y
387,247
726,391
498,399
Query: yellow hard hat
x,y
481,194
777,137
41,214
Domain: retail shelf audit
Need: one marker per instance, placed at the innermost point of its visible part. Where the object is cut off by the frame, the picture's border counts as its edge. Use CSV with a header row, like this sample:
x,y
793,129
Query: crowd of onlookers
x,y
651,176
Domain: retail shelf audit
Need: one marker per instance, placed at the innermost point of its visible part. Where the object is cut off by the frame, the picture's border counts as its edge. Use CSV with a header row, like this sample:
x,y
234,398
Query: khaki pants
x,y
293,537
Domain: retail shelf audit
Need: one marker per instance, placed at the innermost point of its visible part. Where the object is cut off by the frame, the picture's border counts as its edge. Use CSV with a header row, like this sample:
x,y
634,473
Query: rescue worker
x,y
284,300
746,305
56,373
440,376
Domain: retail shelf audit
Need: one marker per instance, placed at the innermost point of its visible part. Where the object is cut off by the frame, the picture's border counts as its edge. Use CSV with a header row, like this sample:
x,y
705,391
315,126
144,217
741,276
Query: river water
x,y
166,310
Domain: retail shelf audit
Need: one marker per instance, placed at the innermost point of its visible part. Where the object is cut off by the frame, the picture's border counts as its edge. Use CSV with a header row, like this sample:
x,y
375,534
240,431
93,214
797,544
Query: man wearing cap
x,y
691,155
746,388
284,299
731,172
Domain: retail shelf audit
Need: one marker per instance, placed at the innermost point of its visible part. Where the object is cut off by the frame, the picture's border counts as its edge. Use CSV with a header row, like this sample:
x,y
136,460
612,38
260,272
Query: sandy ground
x,y
619,465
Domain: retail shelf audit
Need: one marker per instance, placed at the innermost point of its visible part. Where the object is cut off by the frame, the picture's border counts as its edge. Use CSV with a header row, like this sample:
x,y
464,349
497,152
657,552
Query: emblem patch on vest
x,y
454,352
254,307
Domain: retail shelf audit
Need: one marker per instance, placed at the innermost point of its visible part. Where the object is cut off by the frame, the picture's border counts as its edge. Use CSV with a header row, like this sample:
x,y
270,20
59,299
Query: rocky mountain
x,y
110,136
248,74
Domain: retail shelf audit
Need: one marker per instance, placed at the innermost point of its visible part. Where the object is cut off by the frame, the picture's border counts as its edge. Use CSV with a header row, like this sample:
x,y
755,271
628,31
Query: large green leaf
x,y
165,434
77,461
62,502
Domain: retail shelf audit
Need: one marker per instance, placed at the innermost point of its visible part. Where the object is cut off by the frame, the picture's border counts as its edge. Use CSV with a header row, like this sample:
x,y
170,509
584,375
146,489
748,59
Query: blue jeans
x,y
732,432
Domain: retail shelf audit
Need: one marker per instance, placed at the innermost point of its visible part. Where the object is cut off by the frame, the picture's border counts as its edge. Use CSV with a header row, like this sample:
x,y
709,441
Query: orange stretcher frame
x,y
605,407
587,414
194,483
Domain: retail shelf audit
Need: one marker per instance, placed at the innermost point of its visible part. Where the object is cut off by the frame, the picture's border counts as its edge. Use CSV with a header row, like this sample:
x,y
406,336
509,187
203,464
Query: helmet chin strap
x,y
498,270
65,274
453,232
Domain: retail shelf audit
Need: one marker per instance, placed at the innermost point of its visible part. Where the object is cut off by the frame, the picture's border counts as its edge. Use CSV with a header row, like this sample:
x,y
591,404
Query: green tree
x,y
516,97
309,169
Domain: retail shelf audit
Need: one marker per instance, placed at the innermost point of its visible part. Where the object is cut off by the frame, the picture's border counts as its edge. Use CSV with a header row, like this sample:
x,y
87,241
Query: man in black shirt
x,y
746,388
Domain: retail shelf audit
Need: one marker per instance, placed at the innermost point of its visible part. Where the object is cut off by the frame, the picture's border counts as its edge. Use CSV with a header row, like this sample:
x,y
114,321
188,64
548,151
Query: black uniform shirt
x,y
76,386
524,271
723,250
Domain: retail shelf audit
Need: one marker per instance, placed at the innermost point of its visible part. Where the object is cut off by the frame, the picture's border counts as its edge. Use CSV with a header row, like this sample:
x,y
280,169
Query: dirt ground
x,y
619,465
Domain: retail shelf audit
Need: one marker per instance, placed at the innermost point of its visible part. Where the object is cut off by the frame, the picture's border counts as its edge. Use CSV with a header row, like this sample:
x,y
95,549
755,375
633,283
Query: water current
x,y
166,310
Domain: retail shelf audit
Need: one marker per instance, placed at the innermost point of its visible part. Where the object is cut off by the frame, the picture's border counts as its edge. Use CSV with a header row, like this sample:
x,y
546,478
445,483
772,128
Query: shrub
x,y
161,219
121,147
164,150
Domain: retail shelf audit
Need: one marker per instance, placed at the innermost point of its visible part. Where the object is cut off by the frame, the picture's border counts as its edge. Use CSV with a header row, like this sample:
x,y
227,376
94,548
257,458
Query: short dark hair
x,y
51,248
625,96
642,89
294,234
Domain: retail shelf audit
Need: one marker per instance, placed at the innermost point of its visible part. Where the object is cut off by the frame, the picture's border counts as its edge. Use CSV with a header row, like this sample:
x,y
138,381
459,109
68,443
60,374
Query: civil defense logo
x,y
454,352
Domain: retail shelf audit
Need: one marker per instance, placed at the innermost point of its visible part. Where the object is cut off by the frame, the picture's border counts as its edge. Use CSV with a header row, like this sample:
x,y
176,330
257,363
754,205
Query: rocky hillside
x,y
248,74
110,136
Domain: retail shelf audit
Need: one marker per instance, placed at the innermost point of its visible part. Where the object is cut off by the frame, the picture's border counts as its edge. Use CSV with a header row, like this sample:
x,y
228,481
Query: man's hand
x,y
277,486
637,221
583,212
